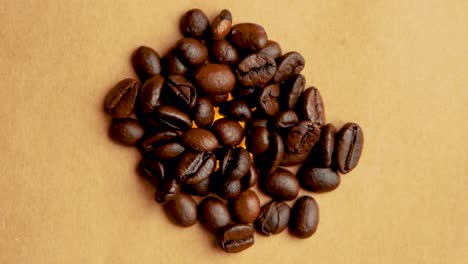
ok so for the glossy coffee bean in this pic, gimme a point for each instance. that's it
(322, 153)
(310, 106)
(256, 70)
(120, 101)
(151, 143)
(191, 52)
(285, 119)
(152, 170)
(215, 79)
(180, 92)
(172, 65)
(126, 131)
(229, 189)
(182, 210)
(318, 179)
(213, 214)
(168, 151)
(258, 119)
(195, 167)
(304, 217)
(201, 189)
(221, 25)
(195, 24)
(245, 207)
(280, 185)
(348, 148)
(258, 140)
(273, 218)
(146, 63)
(269, 162)
(228, 132)
(167, 191)
(199, 139)
(248, 94)
(250, 178)
(272, 48)
(218, 99)
(235, 163)
(248, 36)
(203, 112)
(236, 109)
(223, 52)
(287, 65)
(150, 95)
(291, 159)
(172, 117)
(302, 137)
(268, 99)
(291, 90)
(236, 237)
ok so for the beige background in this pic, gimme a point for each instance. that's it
(398, 68)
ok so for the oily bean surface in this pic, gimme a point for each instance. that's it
(256, 70)
(191, 52)
(195, 24)
(280, 185)
(213, 214)
(273, 218)
(348, 150)
(223, 52)
(203, 112)
(182, 210)
(150, 94)
(180, 92)
(311, 107)
(215, 79)
(304, 217)
(126, 131)
(199, 139)
(318, 179)
(236, 237)
(221, 25)
(173, 117)
(120, 101)
(245, 207)
(194, 167)
(146, 63)
(229, 132)
(287, 65)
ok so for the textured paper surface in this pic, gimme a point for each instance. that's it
(398, 68)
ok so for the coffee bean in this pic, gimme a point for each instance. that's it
(151, 143)
(152, 170)
(245, 207)
(146, 63)
(268, 162)
(236, 109)
(126, 131)
(287, 65)
(273, 218)
(257, 141)
(228, 132)
(167, 191)
(218, 99)
(120, 101)
(268, 99)
(194, 167)
(221, 25)
(182, 210)
(227, 189)
(213, 214)
(215, 79)
(248, 36)
(191, 51)
(302, 137)
(291, 159)
(310, 106)
(172, 65)
(272, 48)
(150, 95)
(348, 150)
(201, 189)
(291, 90)
(199, 139)
(172, 117)
(256, 70)
(236, 237)
(223, 52)
(304, 217)
(250, 178)
(195, 24)
(280, 185)
(180, 92)
(248, 94)
(258, 119)
(169, 151)
(203, 112)
(286, 119)
(322, 153)
(318, 179)
(235, 163)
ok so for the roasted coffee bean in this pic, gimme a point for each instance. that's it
(291, 159)
(213, 214)
(287, 65)
(229, 132)
(304, 217)
(245, 207)
(172, 65)
(310, 106)
(120, 101)
(182, 210)
(152, 170)
(203, 112)
(235, 163)
(302, 137)
(172, 117)
(286, 119)
(191, 52)
(291, 90)
(199, 139)
(318, 179)
(150, 95)
(215, 79)
(249, 94)
(221, 25)
(151, 143)
(322, 153)
(257, 141)
(169, 151)
(268, 99)
(223, 52)
(348, 147)
(272, 48)
(234, 238)
(236, 109)
(268, 162)
(167, 191)
(258, 119)
(229, 189)
(280, 185)
(180, 92)
(201, 189)
(256, 70)
(195, 24)
(218, 99)
(248, 36)
(194, 167)
(273, 218)
(126, 131)
(146, 63)
(250, 178)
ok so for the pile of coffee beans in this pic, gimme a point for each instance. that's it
(235, 71)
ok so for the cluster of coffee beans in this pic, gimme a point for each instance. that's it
(260, 92)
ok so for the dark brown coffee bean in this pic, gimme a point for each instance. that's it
(287, 65)
(280, 185)
(150, 95)
(172, 64)
(199, 139)
(273, 218)
(221, 25)
(223, 52)
(302, 137)
(258, 119)
(286, 119)
(318, 179)
(268, 99)
(291, 90)
(201, 189)
(322, 153)
(248, 94)
(146, 63)
(182, 210)
(228, 132)
(291, 159)
(272, 48)
(191, 52)
(256, 70)
(203, 112)
(151, 143)
(194, 167)
(167, 191)
(236, 237)
(310, 106)
(172, 117)
(152, 170)
(215, 79)
(180, 92)
(218, 99)
(245, 207)
(213, 214)
(126, 131)
(250, 178)
(169, 151)
(304, 217)
(258, 140)
(235, 163)
(236, 109)
(229, 189)
(348, 150)
(120, 101)
(248, 36)
(195, 24)
(268, 162)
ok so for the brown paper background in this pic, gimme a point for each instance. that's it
(398, 68)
